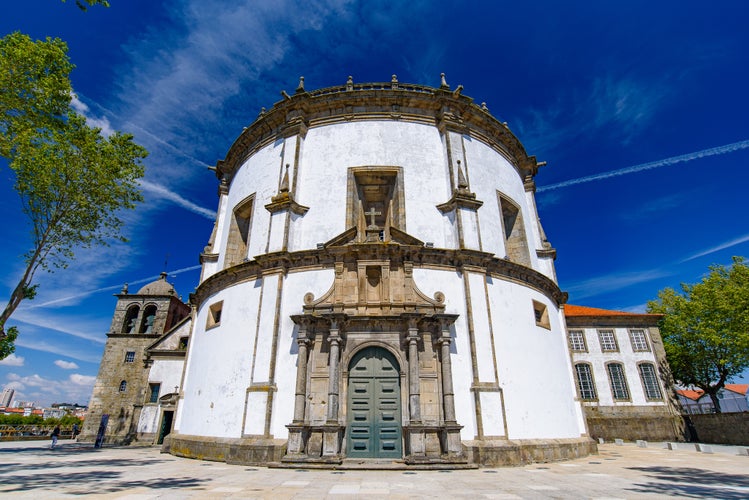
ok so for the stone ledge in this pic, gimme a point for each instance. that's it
(528, 451)
(245, 451)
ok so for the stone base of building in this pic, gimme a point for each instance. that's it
(245, 451)
(631, 423)
(271, 452)
(504, 452)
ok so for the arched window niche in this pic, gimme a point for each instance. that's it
(149, 315)
(131, 318)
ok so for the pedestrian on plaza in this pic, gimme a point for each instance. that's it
(75, 431)
(55, 435)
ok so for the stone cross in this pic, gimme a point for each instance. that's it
(372, 213)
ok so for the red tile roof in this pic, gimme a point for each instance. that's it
(687, 393)
(573, 311)
(738, 388)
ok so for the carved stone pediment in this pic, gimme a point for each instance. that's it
(372, 279)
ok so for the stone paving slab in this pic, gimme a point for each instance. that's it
(628, 471)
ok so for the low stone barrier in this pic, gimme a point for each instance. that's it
(718, 428)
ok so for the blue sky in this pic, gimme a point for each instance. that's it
(654, 92)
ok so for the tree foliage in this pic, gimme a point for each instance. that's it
(84, 4)
(73, 181)
(705, 328)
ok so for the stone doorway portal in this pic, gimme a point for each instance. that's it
(374, 405)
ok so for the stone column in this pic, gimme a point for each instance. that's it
(451, 428)
(297, 433)
(448, 397)
(300, 394)
(333, 369)
(413, 373)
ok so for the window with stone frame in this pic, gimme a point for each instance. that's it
(154, 393)
(639, 340)
(607, 339)
(123, 386)
(239, 232)
(375, 200)
(214, 315)
(618, 381)
(129, 356)
(648, 375)
(576, 339)
(541, 315)
(516, 242)
(585, 383)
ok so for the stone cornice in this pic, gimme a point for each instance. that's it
(440, 107)
(419, 256)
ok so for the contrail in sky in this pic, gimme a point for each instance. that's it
(165, 193)
(728, 148)
(113, 287)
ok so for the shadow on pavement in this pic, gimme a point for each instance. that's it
(693, 483)
(92, 482)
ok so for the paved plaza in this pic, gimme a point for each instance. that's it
(31, 469)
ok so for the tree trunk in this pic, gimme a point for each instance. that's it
(715, 400)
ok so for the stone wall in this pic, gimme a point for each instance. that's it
(633, 423)
(720, 428)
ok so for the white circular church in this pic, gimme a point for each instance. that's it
(378, 285)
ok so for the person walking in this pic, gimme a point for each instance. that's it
(55, 436)
(75, 431)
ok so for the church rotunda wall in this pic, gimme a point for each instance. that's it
(377, 221)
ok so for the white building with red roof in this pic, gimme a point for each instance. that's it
(622, 377)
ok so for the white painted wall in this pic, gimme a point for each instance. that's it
(534, 366)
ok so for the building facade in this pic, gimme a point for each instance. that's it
(622, 375)
(123, 391)
(377, 285)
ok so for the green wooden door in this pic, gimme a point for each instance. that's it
(374, 410)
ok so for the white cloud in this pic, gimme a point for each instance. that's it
(12, 360)
(102, 122)
(44, 391)
(612, 282)
(66, 365)
(89, 329)
(625, 104)
(83, 380)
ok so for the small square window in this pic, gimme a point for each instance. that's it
(608, 340)
(182, 346)
(129, 356)
(214, 315)
(577, 341)
(541, 314)
(639, 340)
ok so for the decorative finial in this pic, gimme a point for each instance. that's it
(300, 88)
(262, 111)
(124, 289)
(457, 91)
(394, 79)
(350, 83)
(443, 82)
(285, 95)
(285, 181)
(483, 106)
(462, 182)
(162, 275)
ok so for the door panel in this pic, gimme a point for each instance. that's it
(374, 427)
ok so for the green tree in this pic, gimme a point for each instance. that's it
(84, 4)
(73, 181)
(705, 328)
